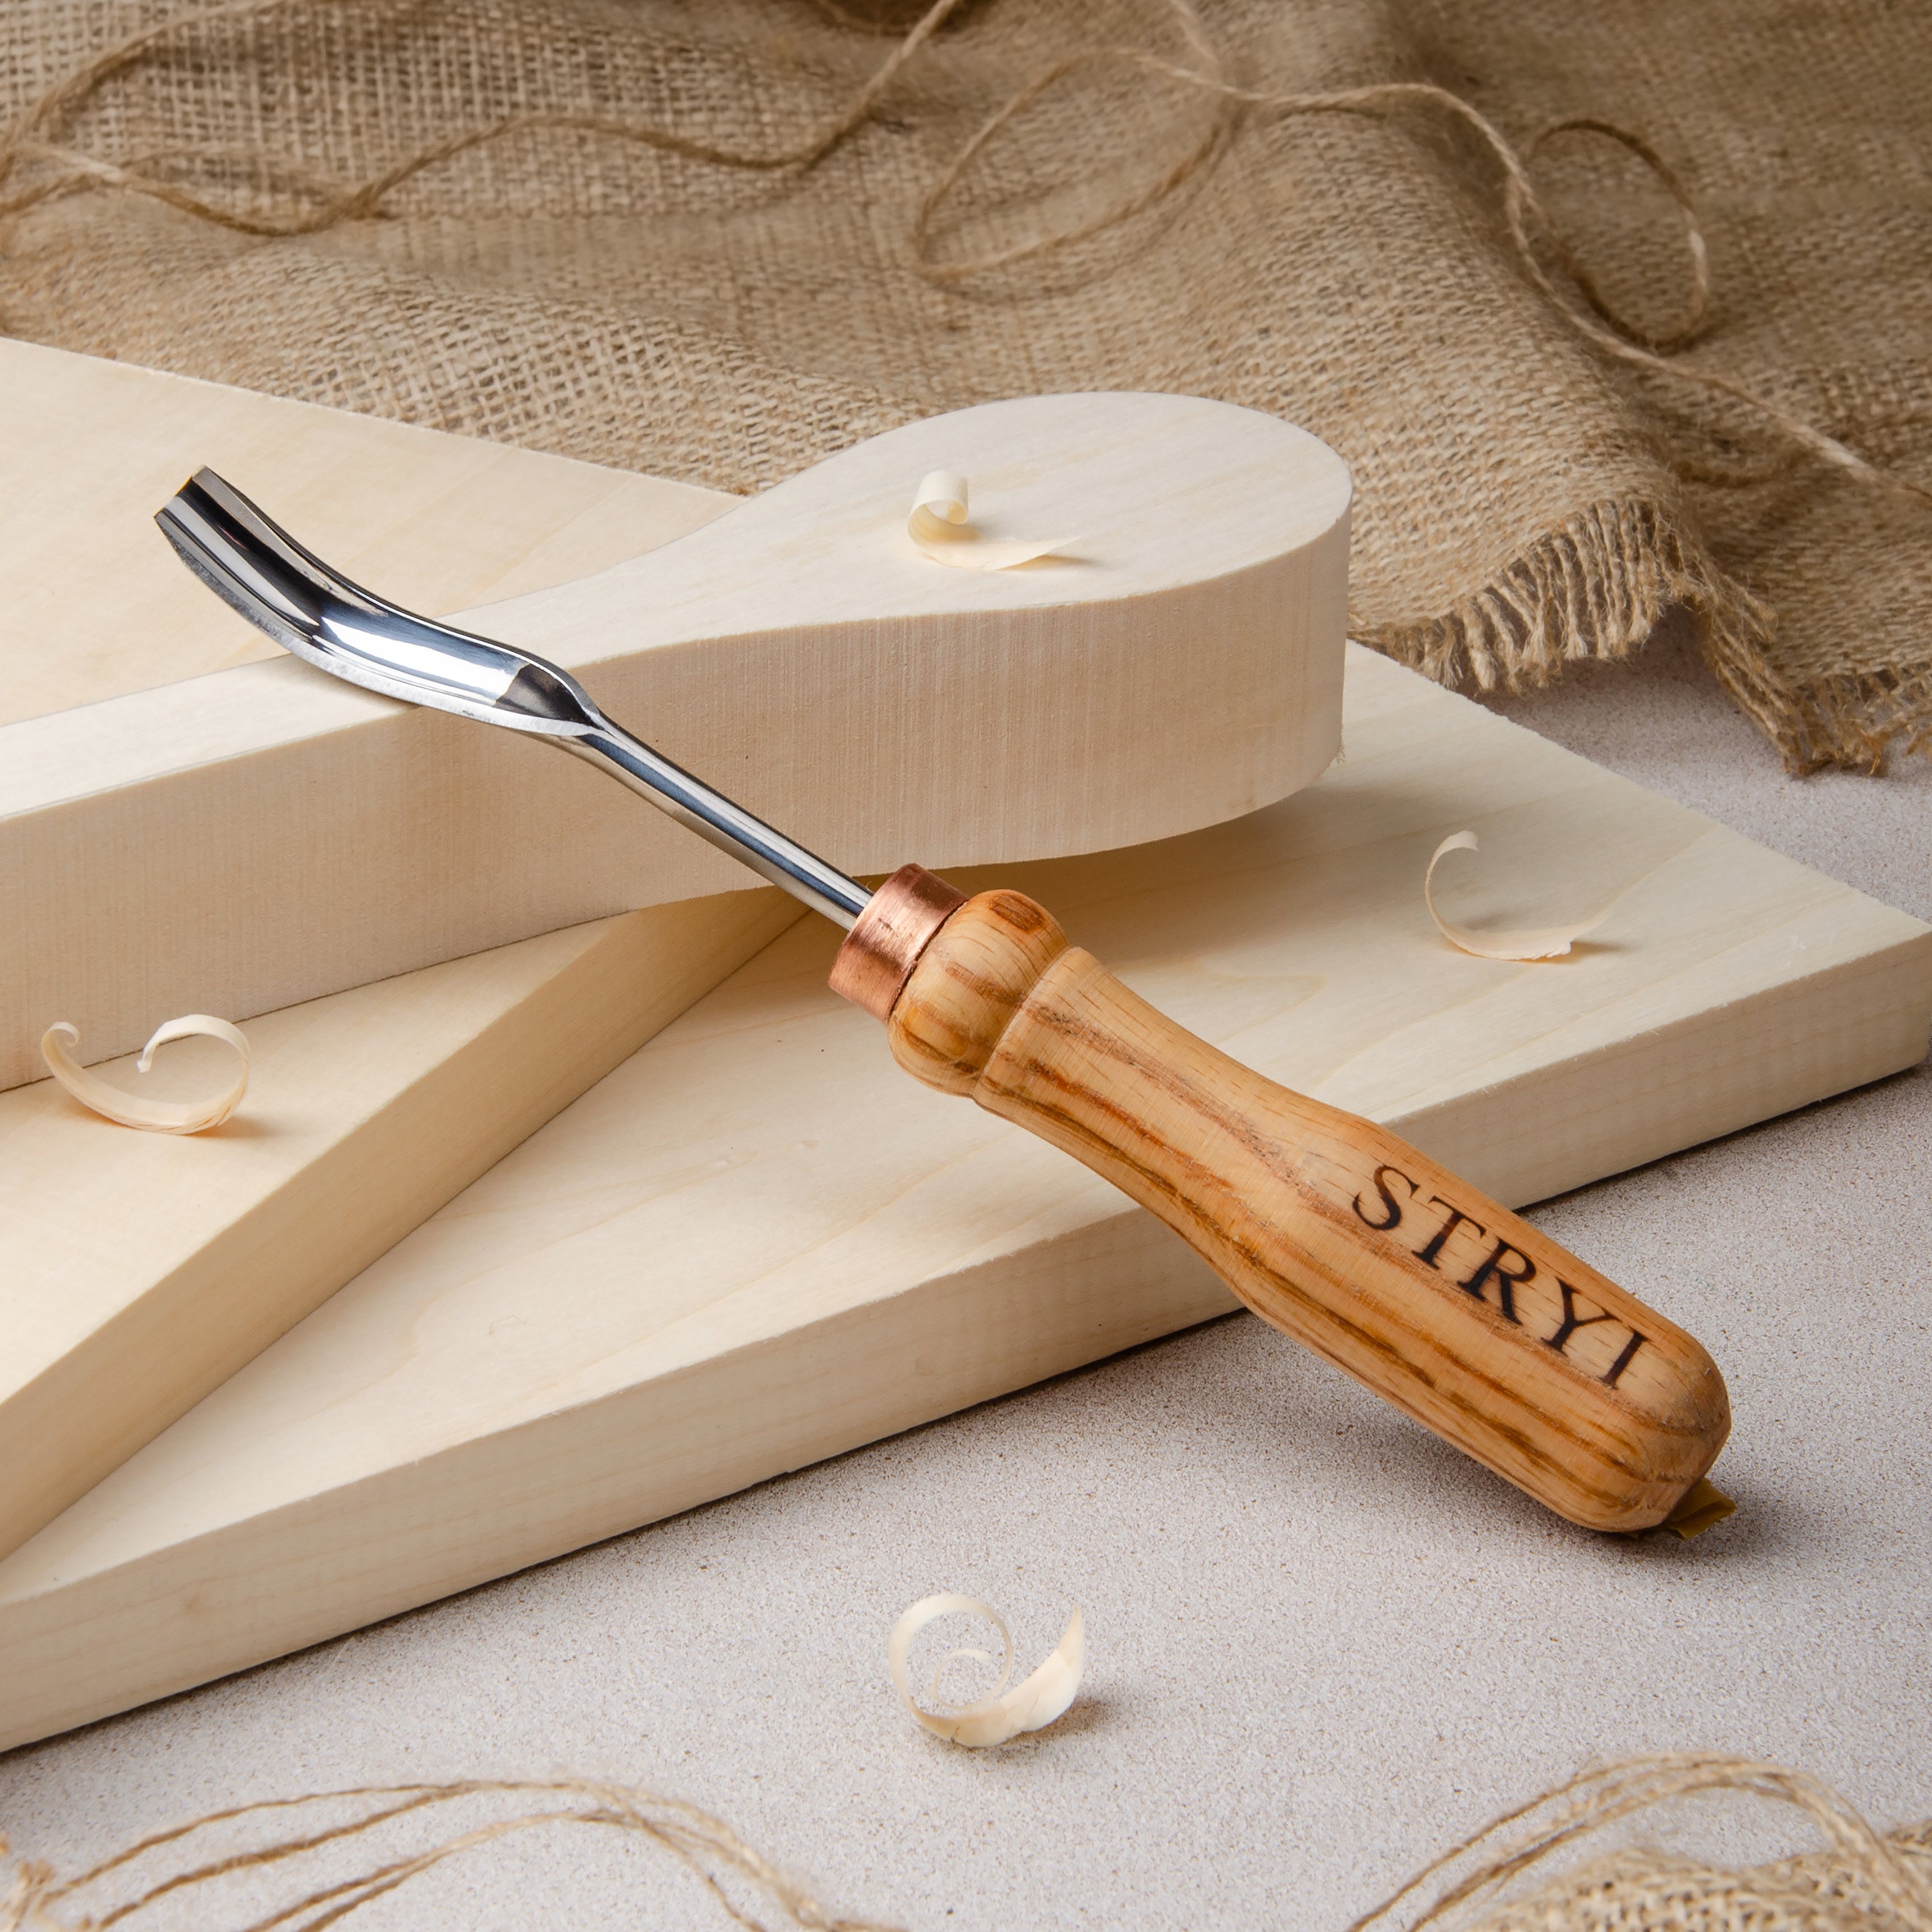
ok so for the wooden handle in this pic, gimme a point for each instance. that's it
(1328, 1226)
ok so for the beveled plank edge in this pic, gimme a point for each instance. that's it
(240, 1292)
(1693, 1079)
(395, 1541)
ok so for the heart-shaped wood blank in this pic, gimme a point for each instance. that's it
(240, 841)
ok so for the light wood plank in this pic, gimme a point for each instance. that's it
(757, 1243)
(142, 1269)
(99, 607)
(138, 1271)
(262, 835)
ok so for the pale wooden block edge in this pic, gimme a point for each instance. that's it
(112, 1392)
(577, 1475)
(529, 1493)
(1194, 685)
(1861, 1020)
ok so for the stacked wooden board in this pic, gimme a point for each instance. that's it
(756, 1243)
(142, 1269)
(258, 835)
(217, 830)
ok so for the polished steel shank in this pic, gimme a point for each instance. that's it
(325, 620)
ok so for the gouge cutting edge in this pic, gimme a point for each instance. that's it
(1329, 1227)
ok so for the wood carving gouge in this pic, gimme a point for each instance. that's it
(1458, 1311)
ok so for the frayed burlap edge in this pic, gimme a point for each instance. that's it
(1636, 1890)
(1597, 585)
(1854, 720)
(1593, 586)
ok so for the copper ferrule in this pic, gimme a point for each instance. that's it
(884, 944)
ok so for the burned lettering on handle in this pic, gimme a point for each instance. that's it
(1508, 1280)
(1572, 1321)
(1623, 1361)
(1393, 1217)
(1427, 1253)
(1390, 1216)
(1524, 1294)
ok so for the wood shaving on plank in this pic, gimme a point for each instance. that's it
(938, 525)
(132, 1110)
(1529, 942)
(1002, 1713)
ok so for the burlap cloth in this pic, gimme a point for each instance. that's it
(1524, 498)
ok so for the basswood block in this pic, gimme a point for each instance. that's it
(99, 607)
(261, 835)
(136, 1271)
(142, 1269)
(758, 1242)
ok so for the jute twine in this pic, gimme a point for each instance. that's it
(168, 1869)
(70, 173)
(1863, 1881)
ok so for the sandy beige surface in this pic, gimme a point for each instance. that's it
(1322, 1645)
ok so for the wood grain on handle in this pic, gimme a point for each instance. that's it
(1328, 1226)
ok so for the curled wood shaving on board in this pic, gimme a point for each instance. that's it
(132, 1110)
(1550, 942)
(938, 525)
(1002, 1713)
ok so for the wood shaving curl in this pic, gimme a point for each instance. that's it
(938, 525)
(1550, 942)
(132, 1110)
(1002, 1713)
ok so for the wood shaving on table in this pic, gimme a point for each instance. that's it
(1002, 1713)
(132, 1110)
